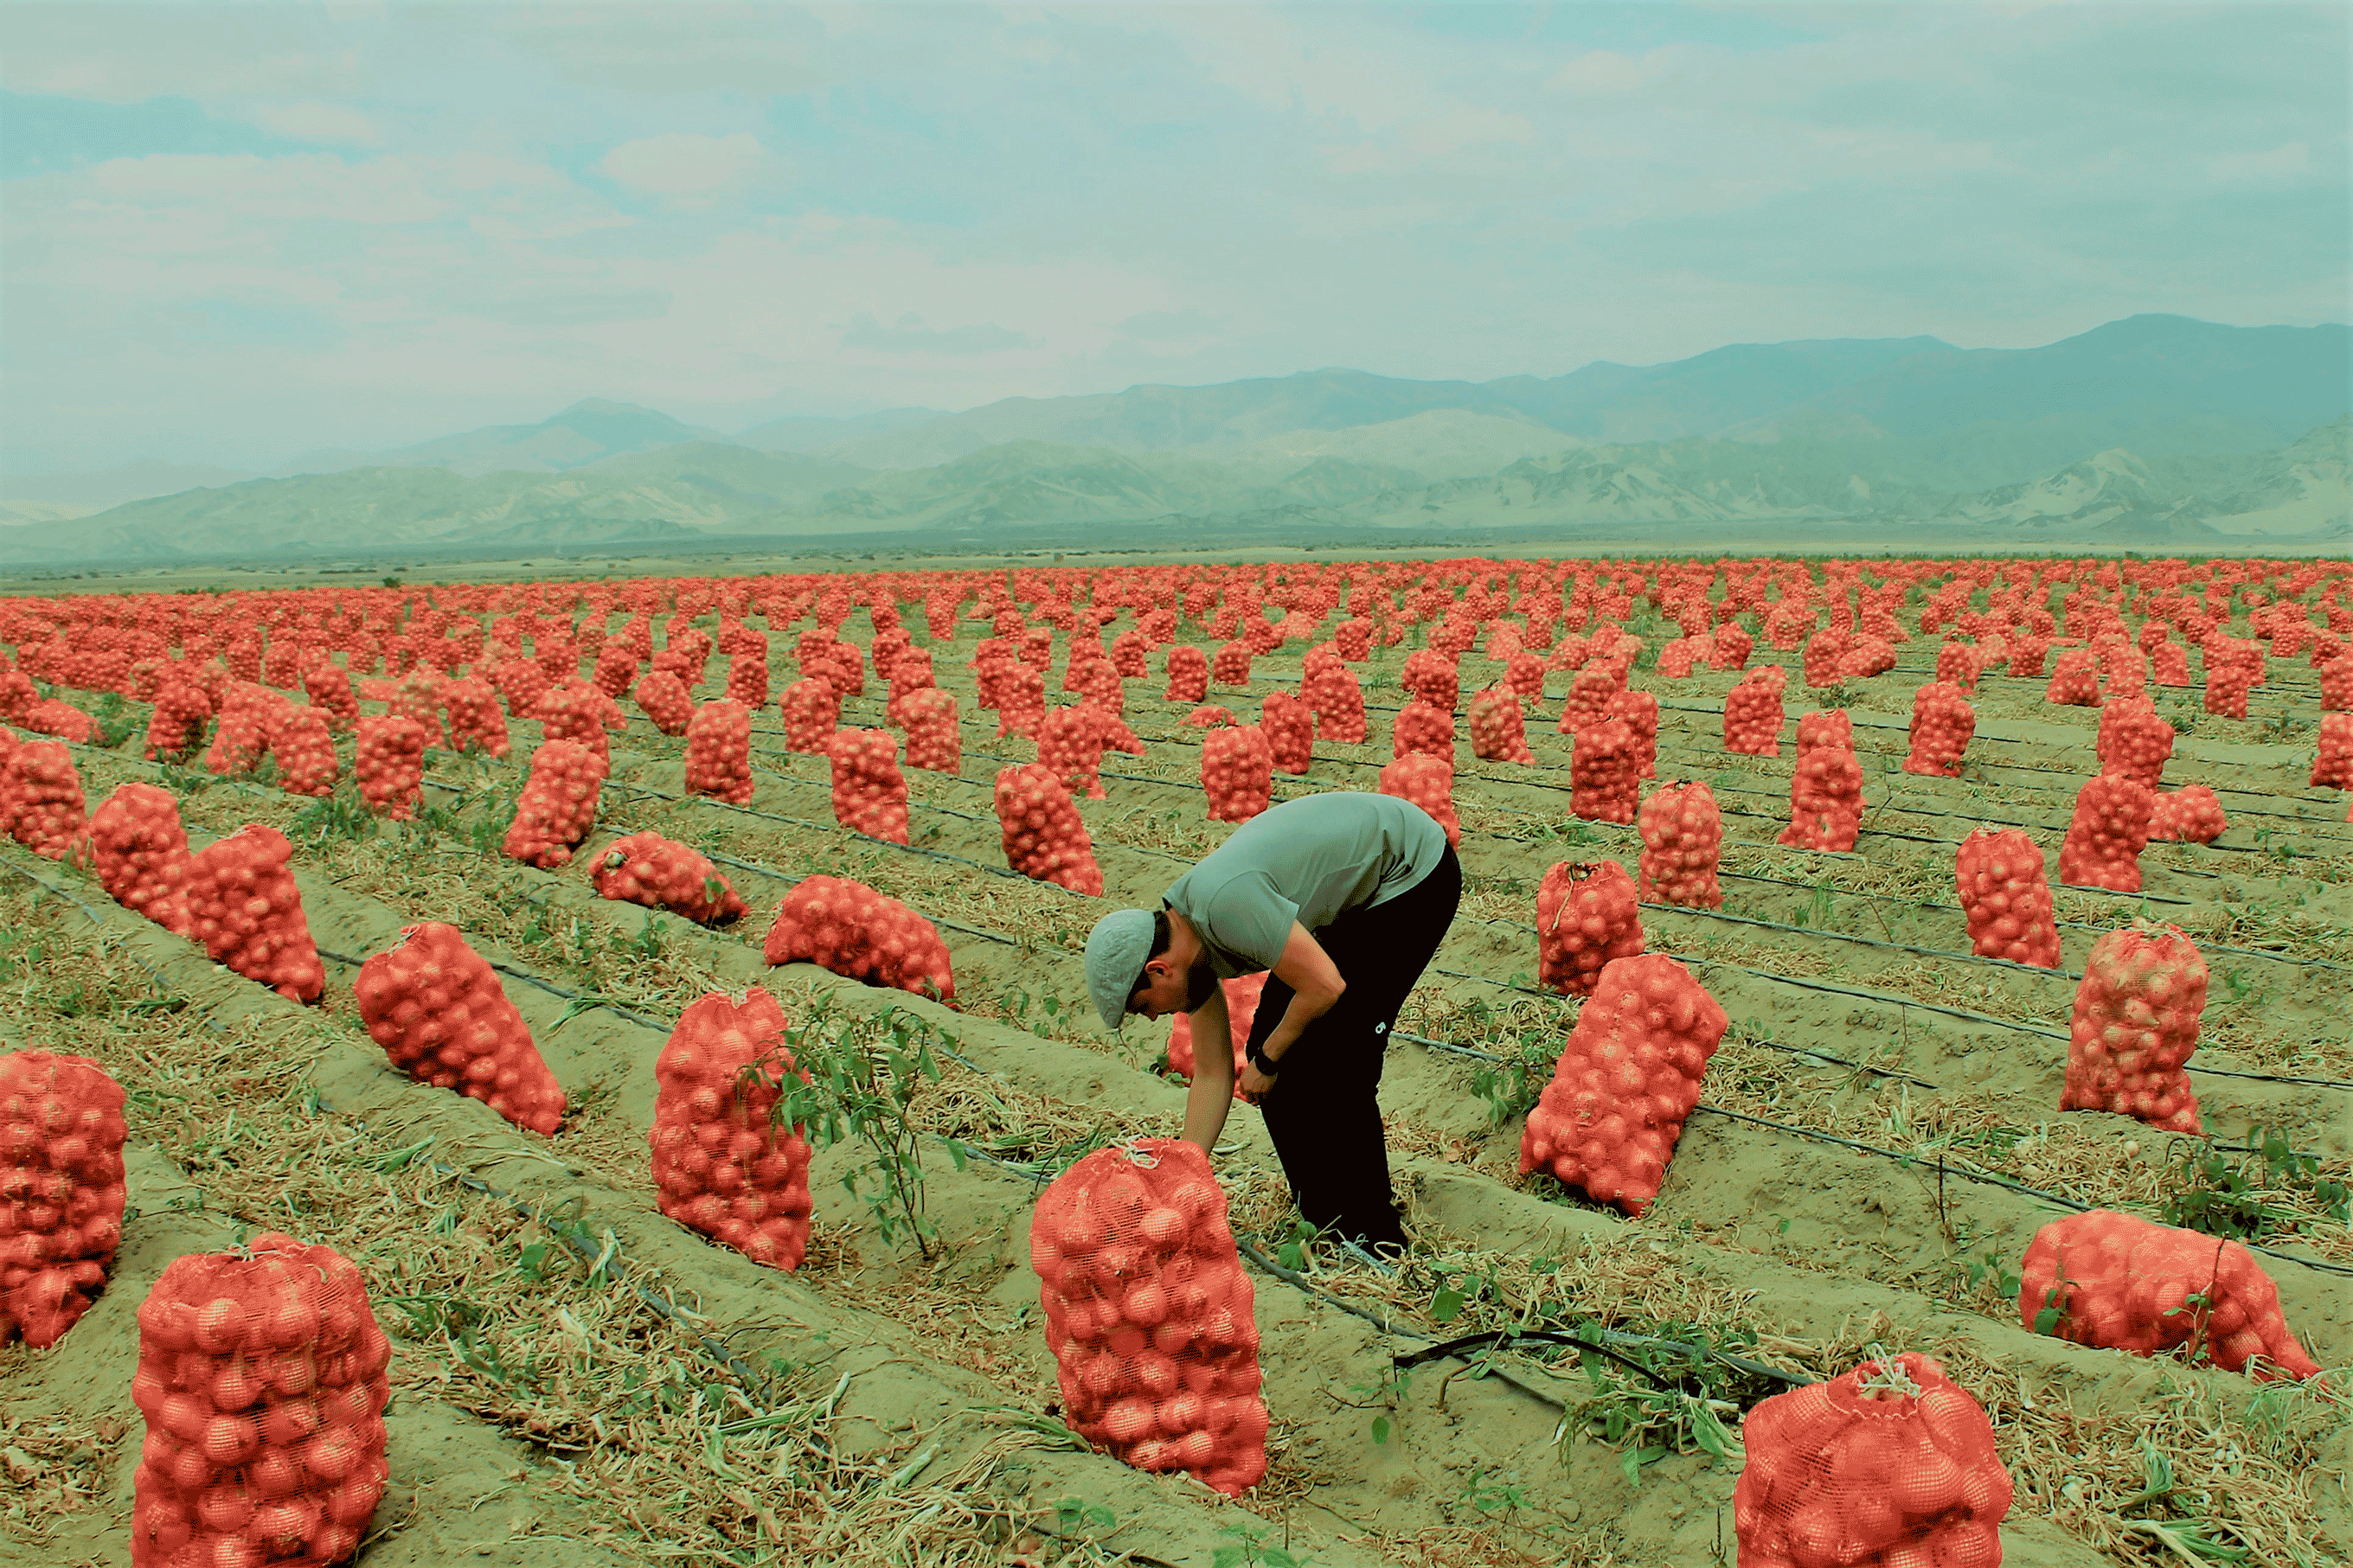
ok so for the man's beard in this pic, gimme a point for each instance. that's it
(1199, 983)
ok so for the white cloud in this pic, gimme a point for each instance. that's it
(315, 121)
(2281, 163)
(1599, 71)
(685, 166)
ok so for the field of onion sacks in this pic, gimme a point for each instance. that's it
(1568, 1367)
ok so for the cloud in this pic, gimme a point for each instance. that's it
(1167, 326)
(1599, 71)
(316, 121)
(908, 335)
(2281, 163)
(687, 167)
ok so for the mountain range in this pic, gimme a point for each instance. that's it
(2155, 426)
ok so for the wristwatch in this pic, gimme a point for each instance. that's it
(1258, 1058)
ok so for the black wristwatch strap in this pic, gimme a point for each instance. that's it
(1258, 1060)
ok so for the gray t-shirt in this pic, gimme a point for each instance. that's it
(1309, 860)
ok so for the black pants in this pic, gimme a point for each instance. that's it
(1322, 1111)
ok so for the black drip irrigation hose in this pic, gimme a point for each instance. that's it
(615, 1263)
(1938, 1164)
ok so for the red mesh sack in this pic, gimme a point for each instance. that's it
(1942, 723)
(578, 712)
(1682, 839)
(389, 765)
(178, 721)
(668, 703)
(1752, 715)
(2226, 686)
(2115, 1282)
(438, 1011)
(869, 793)
(1626, 1079)
(47, 810)
(1589, 695)
(244, 906)
(1209, 716)
(747, 678)
(1825, 795)
(1070, 742)
(1889, 1466)
(261, 1377)
(1241, 1011)
(662, 874)
(1422, 727)
(1231, 667)
(1332, 691)
(722, 1165)
(615, 669)
(2005, 898)
(1586, 914)
(304, 749)
(1043, 834)
(1733, 645)
(520, 683)
(2074, 679)
(557, 806)
(719, 751)
(934, 737)
(1289, 726)
(62, 1170)
(1826, 653)
(1149, 1314)
(1958, 663)
(1639, 711)
(2135, 1023)
(1429, 783)
(1498, 734)
(53, 716)
(241, 739)
(812, 711)
(477, 722)
(1524, 676)
(1236, 773)
(1603, 786)
(2332, 756)
(1189, 674)
(2106, 833)
(850, 928)
(419, 698)
(1020, 701)
(2191, 815)
(329, 687)
(140, 853)
(1865, 656)
(2132, 741)
(2336, 681)
(1434, 678)
(2169, 664)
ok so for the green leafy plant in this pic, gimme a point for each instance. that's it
(1246, 1548)
(864, 1073)
(2250, 1194)
(1512, 1085)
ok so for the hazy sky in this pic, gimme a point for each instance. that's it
(234, 233)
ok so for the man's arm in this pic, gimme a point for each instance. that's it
(1213, 1071)
(1315, 984)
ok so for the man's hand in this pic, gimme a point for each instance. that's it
(1254, 1082)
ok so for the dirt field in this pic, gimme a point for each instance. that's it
(578, 1380)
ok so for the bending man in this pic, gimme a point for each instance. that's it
(1344, 897)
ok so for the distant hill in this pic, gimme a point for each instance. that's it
(41, 497)
(804, 434)
(1019, 490)
(585, 433)
(678, 491)
(2151, 422)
